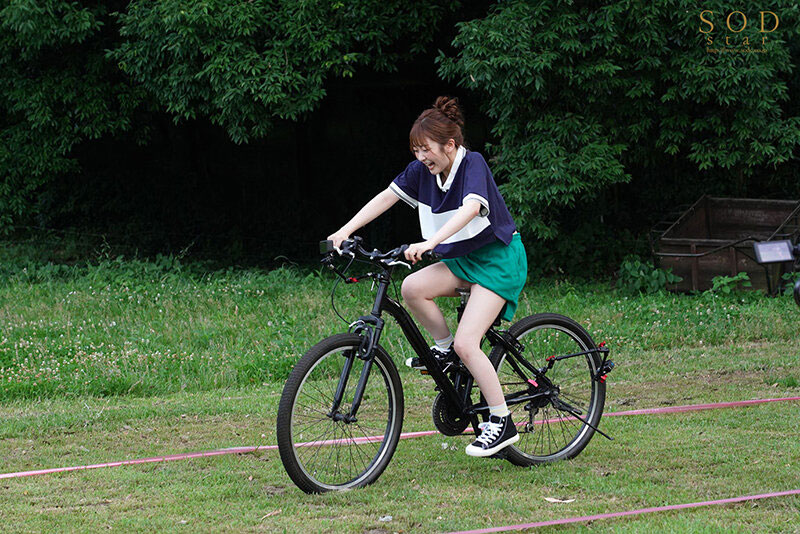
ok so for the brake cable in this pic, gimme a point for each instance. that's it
(333, 292)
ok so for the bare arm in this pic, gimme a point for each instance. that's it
(465, 214)
(371, 210)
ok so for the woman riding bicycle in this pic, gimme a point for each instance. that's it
(464, 218)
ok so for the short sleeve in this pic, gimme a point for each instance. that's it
(476, 185)
(406, 185)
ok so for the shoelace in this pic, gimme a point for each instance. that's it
(490, 432)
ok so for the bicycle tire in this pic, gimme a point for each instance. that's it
(302, 414)
(555, 436)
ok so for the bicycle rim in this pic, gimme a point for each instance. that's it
(548, 433)
(335, 455)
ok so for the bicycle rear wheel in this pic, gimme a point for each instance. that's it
(548, 431)
(321, 453)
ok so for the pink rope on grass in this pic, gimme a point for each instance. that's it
(699, 407)
(368, 439)
(203, 454)
(585, 518)
(154, 459)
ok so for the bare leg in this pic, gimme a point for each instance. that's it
(419, 290)
(481, 311)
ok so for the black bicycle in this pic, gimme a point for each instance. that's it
(341, 411)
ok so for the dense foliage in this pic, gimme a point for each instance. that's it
(57, 89)
(583, 92)
(637, 276)
(244, 64)
(79, 71)
(176, 120)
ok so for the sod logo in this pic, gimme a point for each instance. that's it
(735, 23)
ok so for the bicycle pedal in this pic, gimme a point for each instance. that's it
(499, 455)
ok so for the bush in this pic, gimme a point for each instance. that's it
(789, 279)
(636, 276)
(725, 285)
(554, 76)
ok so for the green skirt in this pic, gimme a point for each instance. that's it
(497, 267)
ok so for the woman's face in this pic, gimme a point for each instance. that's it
(436, 156)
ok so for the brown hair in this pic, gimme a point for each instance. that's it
(440, 123)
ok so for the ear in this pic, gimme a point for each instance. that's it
(450, 145)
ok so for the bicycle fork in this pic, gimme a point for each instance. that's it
(369, 327)
(350, 417)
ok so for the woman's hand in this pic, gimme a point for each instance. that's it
(337, 237)
(414, 251)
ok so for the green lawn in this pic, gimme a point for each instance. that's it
(134, 359)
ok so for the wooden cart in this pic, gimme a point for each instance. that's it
(714, 237)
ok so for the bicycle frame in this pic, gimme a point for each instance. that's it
(458, 390)
(371, 327)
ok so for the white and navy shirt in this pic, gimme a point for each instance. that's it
(469, 179)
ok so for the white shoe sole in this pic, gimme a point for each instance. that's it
(482, 453)
(408, 364)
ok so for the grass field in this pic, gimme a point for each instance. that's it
(127, 359)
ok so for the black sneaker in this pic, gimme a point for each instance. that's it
(443, 356)
(497, 434)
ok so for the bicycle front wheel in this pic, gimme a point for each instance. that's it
(549, 429)
(321, 450)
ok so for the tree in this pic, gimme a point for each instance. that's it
(57, 90)
(244, 65)
(75, 72)
(582, 91)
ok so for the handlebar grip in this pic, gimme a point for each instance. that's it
(427, 255)
(345, 246)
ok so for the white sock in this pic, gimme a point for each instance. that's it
(445, 343)
(501, 410)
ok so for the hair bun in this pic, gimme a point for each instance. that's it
(449, 107)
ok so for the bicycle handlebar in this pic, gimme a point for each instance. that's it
(353, 245)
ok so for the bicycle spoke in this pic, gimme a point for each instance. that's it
(350, 451)
(325, 397)
(337, 454)
(359, 449)
(562, 427)
(575, 403)
(319, 447)
(336, 448)
(310, 409)
(307, 426)
(369, 441)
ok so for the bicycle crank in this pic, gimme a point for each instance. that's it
(447, 418)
